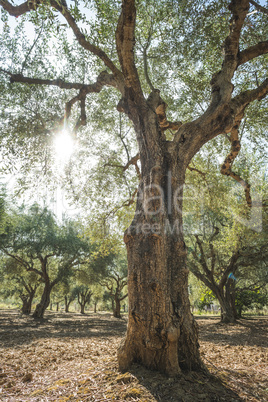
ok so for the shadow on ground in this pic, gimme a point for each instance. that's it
(190, 387)
(250, 332)
(17, 329)
(70, 353)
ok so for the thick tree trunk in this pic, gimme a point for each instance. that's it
(230, 293)
(44, 303)
(117, 308)
(27, 303)
(82, 308)
(162, 333)
(227, 312)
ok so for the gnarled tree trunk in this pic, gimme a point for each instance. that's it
(45, 301)
(67, 303)
(27, 302)
(83, 298)
(227, 302)
(162, 333)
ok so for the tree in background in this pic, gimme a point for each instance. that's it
(251, 298)
(18, 283)
(221, 249)
(115, 281)
(38, 244)
(83, 294)
(97, 296)
(218, 263)
(68, 299)
(178, 35)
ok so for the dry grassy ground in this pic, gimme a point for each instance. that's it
(70, 357)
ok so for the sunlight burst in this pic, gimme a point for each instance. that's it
(64, 145)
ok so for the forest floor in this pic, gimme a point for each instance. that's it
(72, 357)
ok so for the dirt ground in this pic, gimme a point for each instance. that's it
(72, 357)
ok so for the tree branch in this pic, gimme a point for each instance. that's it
(252, 52)
(193, 169)
(145, 64)
(239, 102)
(231, 267)
(226, 168)
(202, 259)
(221, 82)
(194, 269)
(132, 161)
(259, 7)
(156, 103)
(123, 297)
(104, 79)
(23, 8)
(125, 43)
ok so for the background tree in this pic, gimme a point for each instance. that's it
(219, 245)
(218, 263)
(251, 298)
(97, 296)
(115, 281)
(37, 243)
(177, 35)
(18, 283)
(83, 293)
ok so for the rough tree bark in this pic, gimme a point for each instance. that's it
(27, 301)
(161, 332)
(117, 307)
(45, 300)
(227, 303)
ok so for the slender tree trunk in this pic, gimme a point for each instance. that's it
(44, 303)
(57, 306)
(117, 308)
(162, 333)
(50, 307)
(67, 303)
(95, 307)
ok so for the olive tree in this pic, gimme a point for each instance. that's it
(39, 245)
(162, 333)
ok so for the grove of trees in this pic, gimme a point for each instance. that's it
(38, 253)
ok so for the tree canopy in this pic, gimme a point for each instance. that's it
(207, 61)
